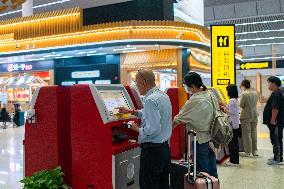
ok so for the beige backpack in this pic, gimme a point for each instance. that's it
(221, 128)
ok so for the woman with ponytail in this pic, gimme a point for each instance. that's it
(198, 114)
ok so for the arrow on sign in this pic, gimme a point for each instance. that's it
(254, 65)
(243, 66)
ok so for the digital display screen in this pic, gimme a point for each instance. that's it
(113, 100)
(85, 82)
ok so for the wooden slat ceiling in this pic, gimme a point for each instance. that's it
(12, 4)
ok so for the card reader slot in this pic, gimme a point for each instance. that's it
(130, 183)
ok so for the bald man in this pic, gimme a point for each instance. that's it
(154, 133)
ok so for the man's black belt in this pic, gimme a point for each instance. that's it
(153, 145)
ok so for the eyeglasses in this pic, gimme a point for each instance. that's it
(141, 75)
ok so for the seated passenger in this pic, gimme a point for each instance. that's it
(17, 117)
(4, 117)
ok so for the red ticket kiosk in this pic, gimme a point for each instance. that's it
(178, 98)
(47, 136)
(105, 153)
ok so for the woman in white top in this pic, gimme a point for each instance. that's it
(233, 111)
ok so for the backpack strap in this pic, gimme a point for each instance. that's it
(213, 103)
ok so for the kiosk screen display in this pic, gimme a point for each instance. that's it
(113, 100)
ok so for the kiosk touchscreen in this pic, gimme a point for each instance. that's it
(108, 98)
(112, 100)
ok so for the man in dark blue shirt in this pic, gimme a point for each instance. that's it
(273, 117)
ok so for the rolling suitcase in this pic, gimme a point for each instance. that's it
(180, 167)
(201, 180)
(178, 170)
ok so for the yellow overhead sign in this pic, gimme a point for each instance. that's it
(223, 69)
(254, 65)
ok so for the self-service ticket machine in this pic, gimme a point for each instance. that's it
(47, 132)
(178, 98)
(177, 138)
(105, 153)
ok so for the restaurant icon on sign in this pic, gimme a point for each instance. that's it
(222, 41)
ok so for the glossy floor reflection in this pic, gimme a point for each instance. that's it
(11, 158)
(253, 173)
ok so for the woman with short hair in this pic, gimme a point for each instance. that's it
(233, 110)
(249, 118)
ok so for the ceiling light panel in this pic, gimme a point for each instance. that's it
(124, 49)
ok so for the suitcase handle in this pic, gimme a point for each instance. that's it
(192, 133)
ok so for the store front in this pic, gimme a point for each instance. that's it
(19, 81)
(107, 53)
(164, 63)
(87, 70)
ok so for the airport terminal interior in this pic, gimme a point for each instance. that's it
(68, 66)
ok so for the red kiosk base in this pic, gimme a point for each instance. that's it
(101, 159)
(177, 143)
(47, 141)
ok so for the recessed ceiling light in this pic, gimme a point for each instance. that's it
(91, 52)
(125, 49)
(52, 55)
(36, 59)
(64, 57)
(97, 54)
(82, 52)
(135, 51)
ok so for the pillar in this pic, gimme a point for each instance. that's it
(27, 8)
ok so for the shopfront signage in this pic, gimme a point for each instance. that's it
(26, 67)
(223, 69)
(103, 82)
(68, 83)
(85, 82)
(85, 74)
(255, 65)
(19, 67)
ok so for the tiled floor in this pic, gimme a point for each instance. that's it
(11, 157)
(254, 173)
